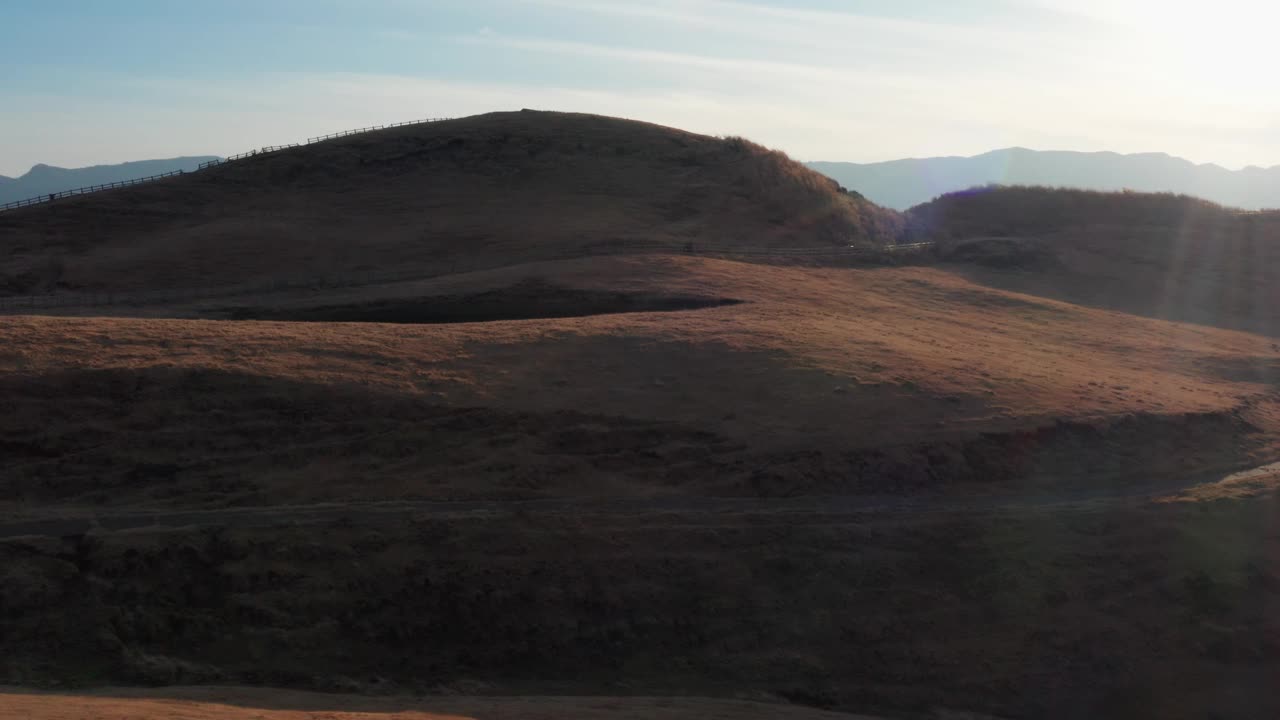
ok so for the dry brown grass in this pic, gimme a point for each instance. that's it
(846, 357)
(1163, 256)
(498, 188)
(1117, 612)
(821, 381)
(1109, 609)
(256, 704)
(1021, 210)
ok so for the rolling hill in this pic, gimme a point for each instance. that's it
(952, 481)
(45, 179)
(504, 186)
(1159, 255)
(903, 183)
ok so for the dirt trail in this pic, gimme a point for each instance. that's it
(72, 521)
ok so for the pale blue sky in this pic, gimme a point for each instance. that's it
(97, 81)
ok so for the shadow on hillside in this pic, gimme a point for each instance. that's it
(525, 301)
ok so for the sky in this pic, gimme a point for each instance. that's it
(86, 82)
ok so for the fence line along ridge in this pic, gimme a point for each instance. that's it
(85, 190)
(49, 197)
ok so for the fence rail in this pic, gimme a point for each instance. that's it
(204, 165)
(371, 128)
(241, 156)
(85, 190)
(446, 267)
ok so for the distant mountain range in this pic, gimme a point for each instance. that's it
(903, 183)
(45, 179)
(897, 184)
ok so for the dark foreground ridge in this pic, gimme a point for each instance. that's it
(800, 510)
(824, 612)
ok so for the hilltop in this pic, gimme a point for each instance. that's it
(44, 179)
(903, 183)
(502, 187)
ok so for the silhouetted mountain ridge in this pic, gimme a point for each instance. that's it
(904, 183)
(43, 179)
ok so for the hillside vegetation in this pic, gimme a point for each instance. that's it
(1161, 255)
(817, 380)
(1033, 210)
(899, 490)
(225, 703)
(499, 188)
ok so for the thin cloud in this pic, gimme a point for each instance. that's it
(814, 28)
(821, 84)
(741, 67)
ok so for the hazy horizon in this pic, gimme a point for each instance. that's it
(863, 82)
(992, 151)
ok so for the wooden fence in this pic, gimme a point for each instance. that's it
(251, 153)
(85, 190)
(357, 131)
(241, 156)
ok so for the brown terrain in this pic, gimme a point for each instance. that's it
(491, 189)
(1164, 256)
(217, 703)
(1024, 473)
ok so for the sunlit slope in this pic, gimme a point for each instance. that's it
(812, 368)
(985, 450)
(495, 188)
(1163, 256)
(808, 353)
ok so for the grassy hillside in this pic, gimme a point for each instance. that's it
(793, 389)
(503, 187)
(1034, 210)
(900, 489)
(1167, 256)
(928, 469)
